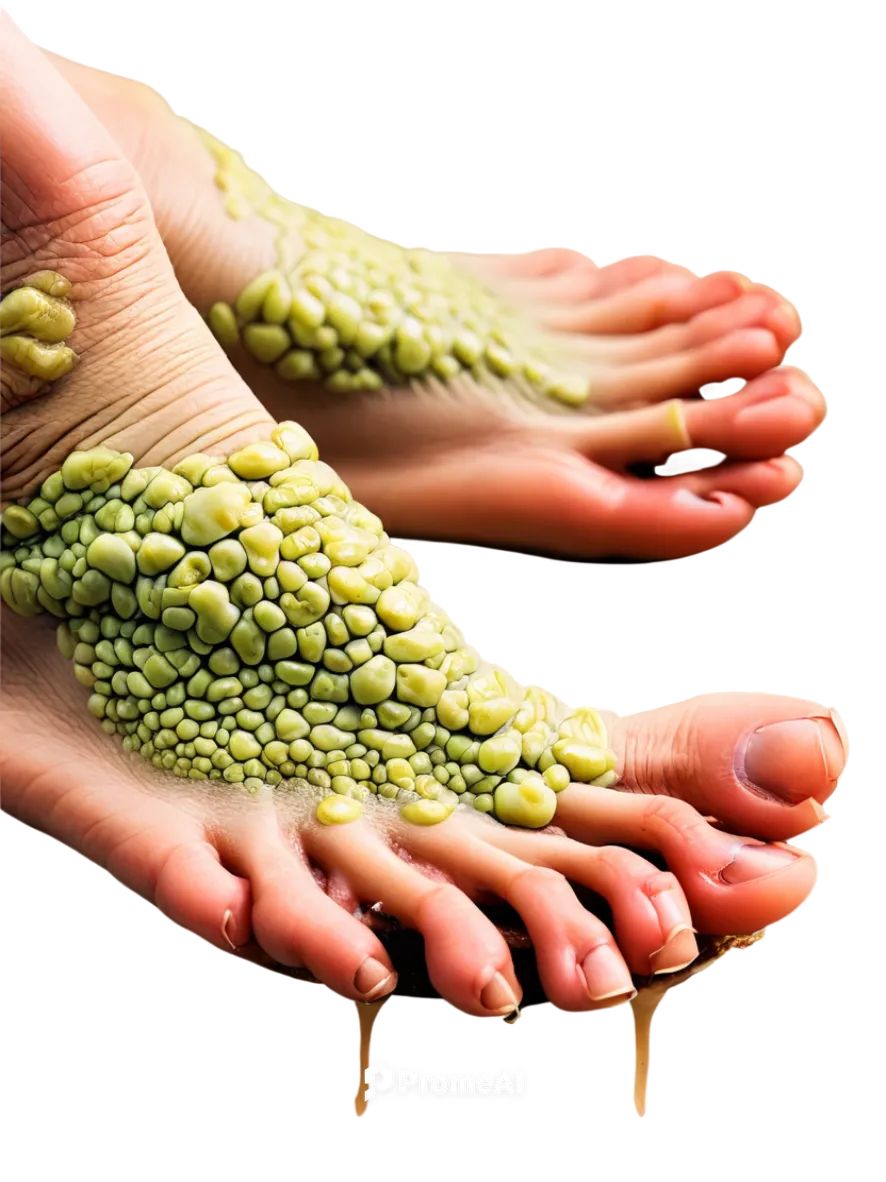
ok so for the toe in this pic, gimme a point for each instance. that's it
(159, 851)
(759, 763)
(604, 296)
(467, 958)
(196, 891)
(670, 297)
(554, 501)
(532, 264)
(733, 884)
(771, 414)
(744, 353)
(651, 915)
(760, 483)
(599, 513)
(755, 308)
(579, 965)
(292, 918)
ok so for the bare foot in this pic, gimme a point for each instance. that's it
(497, 450)
(274, 825)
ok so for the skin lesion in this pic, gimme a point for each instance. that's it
(357, 312)
(36, 319)
(246, 621)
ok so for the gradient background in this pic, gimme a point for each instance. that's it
(743, 136)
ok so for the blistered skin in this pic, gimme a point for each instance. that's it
(245, 620)
(36, 318)
(358, 312)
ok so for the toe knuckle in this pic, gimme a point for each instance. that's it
(444, 896)
(168, 875)
(538, 878)
(660, 881)
(622, 862)
(668, 813)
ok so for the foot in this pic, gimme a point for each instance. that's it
(538, 444)
(277, 824)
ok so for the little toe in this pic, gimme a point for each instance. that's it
(195, 890)
(292, 918)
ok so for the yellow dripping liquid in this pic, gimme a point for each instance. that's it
(364, 1018)
(643, 1010)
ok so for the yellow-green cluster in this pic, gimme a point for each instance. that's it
(35, 319)
(357, 312)
(245, 620)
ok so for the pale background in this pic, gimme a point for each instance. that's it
(129, 1053)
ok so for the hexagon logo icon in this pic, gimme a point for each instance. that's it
(378, 1077)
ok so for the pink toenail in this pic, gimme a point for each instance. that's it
(669, 911)
(756, 861)
(783, 464)
(374, 979)
(605, 974)
(784, 320)
(793, 760)
(498, 997)
(677, 952)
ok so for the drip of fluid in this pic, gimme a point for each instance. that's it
(367, 1011)
(644, 1006)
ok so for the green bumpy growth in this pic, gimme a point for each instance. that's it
(35, 319)
(246, 620)
(357, 311)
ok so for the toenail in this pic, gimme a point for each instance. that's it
(670, 914)
(756, 861)
(605, 974)
(790, 759)
(840, 728)
(226, 919)
(498, 997)
(677, 952)
(812, 395)
(744, 284)
(793, 466)
(783, 319)
(374, 979)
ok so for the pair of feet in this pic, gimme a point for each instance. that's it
(461, 461)
(235, 869)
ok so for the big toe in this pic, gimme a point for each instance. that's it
(760, 764)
